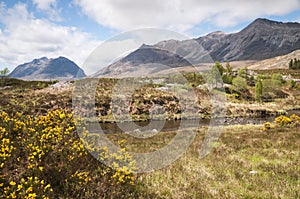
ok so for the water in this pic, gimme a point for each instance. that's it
(173, 125)
(169, 125)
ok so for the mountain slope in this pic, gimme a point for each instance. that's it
(279, 62)
(262, 39)
(45, 69)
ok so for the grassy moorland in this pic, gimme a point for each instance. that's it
(246, 163)
(42, 155)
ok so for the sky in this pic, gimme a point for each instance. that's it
(32, 29)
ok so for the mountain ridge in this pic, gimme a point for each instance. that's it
(261, 39)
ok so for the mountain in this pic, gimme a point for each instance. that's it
(45, 69)
(262, 39)
(148, 59)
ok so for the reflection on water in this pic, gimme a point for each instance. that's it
(169, 125)
(173, 125)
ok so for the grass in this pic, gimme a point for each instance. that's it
(225, 173)
(21, 84)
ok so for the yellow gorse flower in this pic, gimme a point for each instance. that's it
(49, 145)
(12, 183)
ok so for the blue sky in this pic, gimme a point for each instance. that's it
(35, 28)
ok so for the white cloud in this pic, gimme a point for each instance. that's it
(24, 38)
(180, 15)
(124, 43)
(49, 7)
(45, 4)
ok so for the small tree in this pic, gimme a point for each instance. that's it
(292, 83)
(229, 69)
(258, 89)
(291, 64)
(242, 72)
(220, 68)
(227, 76)
(297, 64)
(294, 64)
(213, 76)
(4, 72)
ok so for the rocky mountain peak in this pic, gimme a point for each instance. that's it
(45, 69)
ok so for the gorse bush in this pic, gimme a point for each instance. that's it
(267, 126)
(295, 120)
(283, 120)
(43, 157)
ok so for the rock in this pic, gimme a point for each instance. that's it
(154, 131)
(253, 172)
(137, 130)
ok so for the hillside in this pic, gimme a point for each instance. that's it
(279, 62)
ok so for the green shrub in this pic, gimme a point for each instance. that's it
(258, 89)
(292, 83)
(240, 83)
(278, 77)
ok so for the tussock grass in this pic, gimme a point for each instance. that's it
(247, 162)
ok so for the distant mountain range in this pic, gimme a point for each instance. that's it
(262, 39)
(59, 68)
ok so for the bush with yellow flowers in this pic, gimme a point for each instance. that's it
(295, 120)
(31, 187)
(43, 157)
(267, 126)
(121, 163)
(283, 121)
